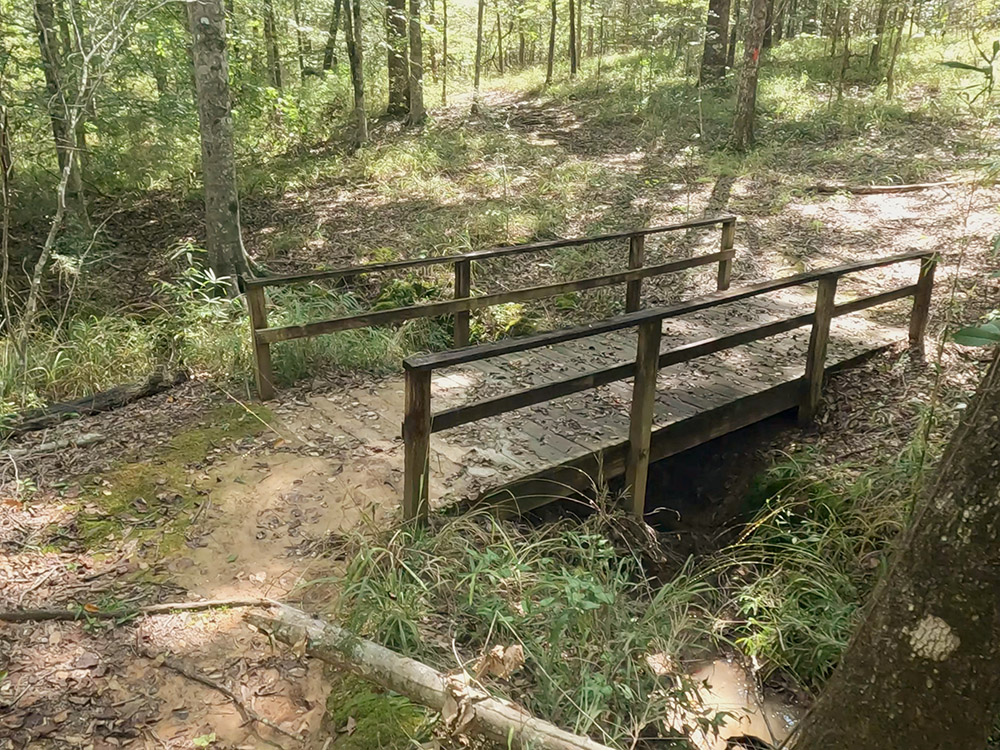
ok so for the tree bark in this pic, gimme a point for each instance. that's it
(876, 51)
(398, 69)
(746, 94)
(552, 44)
(479, 55)
(890, 75)
(299, 42)
(330, 51)
(922, 671)
(713, 60)
(271, 44)
(499, 43)
(444, 52)
(416, 66)
(731, 47)
(355, 55)
(572, 39)
(224, 242)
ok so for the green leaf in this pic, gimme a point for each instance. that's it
(996, 243)
(204, 741)
(965, 66)
(984, 335)
(996, 47)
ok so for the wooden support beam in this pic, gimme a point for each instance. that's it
(633, 289)
(463, 288)
(417, 445)
(812, 389)
(263, 371)
(647, 367)
(726, 265)
(922, 306)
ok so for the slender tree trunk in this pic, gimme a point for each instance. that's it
(330, 51)
(522, 48)
(224, 243)
(713, 60)
(778, 22)
(590, 30)
(579, 34)
(6, 194)
(416, 66)
(922, 671)
(271, 44)
(299, 42)
(572, 39)
(845, 58)
(552, 43)
(355, 55)
(731, 47)
(890, 75)
(768, 22)
(431, 53)
(499, 43)
(876, 51)
(396, 64)
(479, 55)
(746, 94)
(444, 52)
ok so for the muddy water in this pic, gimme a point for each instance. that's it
(727, 687)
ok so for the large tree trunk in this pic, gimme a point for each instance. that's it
(271, 44)
(922, 671)
(746, 94)
(416, 66)
(479, 56)
(224, 242)
(713, 60)
(330, 51)
(399, 74)
(355, 55)
(552, 44)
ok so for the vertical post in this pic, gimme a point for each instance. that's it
(417, 445)
(812, 386)
(257, 304)
(921, 306)
(633, 289)
(463, 287)
(726, 265)
(641, 416)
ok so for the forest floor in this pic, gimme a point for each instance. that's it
(195, 494)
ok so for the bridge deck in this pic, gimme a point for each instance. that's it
(696, 400)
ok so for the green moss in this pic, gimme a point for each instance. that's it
(155, 497)
(381, 719)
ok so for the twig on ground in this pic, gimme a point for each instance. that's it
(74, 442)
(80, 613)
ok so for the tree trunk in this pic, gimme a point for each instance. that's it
(731, 47)
(299, 43)
(499, 43)
(398, 69)
(271, 44)
(572, 39)
(431, 53)
(876, 51)
(330, 51)
(355, 55)
(922, 671)
(768, 23)
(746, 94)
(552, 44)
(845, 59)
(713, 61)
(479, 55)
(890, 75)
(579, 34)
(416, 65)
(444, 52)
(224, 241)
(778, 22)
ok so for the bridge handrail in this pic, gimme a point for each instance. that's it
(420, 422)
(262, 336)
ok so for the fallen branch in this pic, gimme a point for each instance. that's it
(82, 613)
(57, 445)
(246, 712)
(463, 706)
(39, 419)
(830, 189)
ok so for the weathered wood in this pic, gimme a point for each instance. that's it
(77, 441)
(726, 266)
(636, 258)
(812, 390)
(922, 306)
(417, 445)
(434, 309)
(263, 370)
(495, 719)
(630, 320)
(463, 288)
(113, 398)
(641, 413)
(830, 189)
(396, 265)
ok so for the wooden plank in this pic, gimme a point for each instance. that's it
(922, 306)
(395, 265)
(641, 414)
(416, 440)
(636, 256)
(263, 369)
(726, 266)
(812, 390)
(434, 309)
(629, 320)
(463, 288)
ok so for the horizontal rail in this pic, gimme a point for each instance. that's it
(461, 415)
(630, 320)
(433, 309)
(485, 254)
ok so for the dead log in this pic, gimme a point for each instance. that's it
(830, 189)
(39, 419)
(90, 612)
(78, 441)
(464, 707)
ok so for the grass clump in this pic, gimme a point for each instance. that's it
(380, 719)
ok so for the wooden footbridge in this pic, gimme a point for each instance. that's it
(529, 419)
